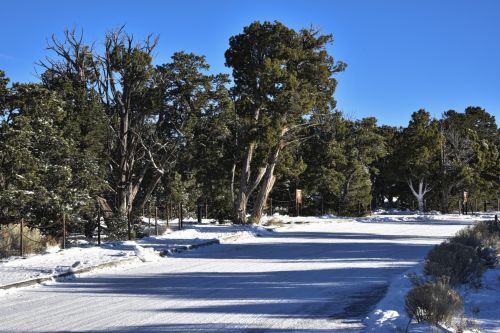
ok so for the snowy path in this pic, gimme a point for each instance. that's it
(308, 278)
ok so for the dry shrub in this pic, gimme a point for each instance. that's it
(467, 237)
(457, 262)
(482, 234)
(33, 240)
(435, 303)
(274, 221)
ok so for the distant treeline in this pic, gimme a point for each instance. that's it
(105, 131)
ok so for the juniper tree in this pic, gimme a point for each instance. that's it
(35, 156)
(418, 154)
(281, 76)
(340, 162)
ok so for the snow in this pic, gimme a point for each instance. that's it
(389, 314)
(17, 269)
(315, 274)
(146, 254)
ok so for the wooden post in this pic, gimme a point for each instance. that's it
(167, 212)
(156, 220)
(149, 219)
(322, 206)
(459, 207)
(206, 209)
(271, 204)
(21, 245)
(64, 232)
(129, 228)
(198, 212)
(99, 226)
(180, 216)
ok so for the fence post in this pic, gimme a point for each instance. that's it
(167, 212)
(206, 209)
(129, 231)
(156, 220)
(99, 226)
(21, 251)
(149, 219)
(198, 212)
(64, 231)
(271, 204)
(180, 216)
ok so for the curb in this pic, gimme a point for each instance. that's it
(31, 282)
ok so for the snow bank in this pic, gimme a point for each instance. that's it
(389, 314)
(146, 254)
(481, 305)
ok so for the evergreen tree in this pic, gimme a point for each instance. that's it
(418, 154)
(340, 162)
(35, 156)
(280, 77)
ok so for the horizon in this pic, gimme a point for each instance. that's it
(396, 62)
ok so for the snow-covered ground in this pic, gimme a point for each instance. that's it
(55, 261)
(326, 275)
(480, 305)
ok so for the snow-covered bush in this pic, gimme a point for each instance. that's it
(33, 241)
(457, 262)
(435, 303)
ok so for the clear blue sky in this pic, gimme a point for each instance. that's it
(401, 55)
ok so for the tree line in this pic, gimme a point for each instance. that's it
(107, 128)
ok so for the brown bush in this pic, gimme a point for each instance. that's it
(455, 261)
(435, 303)
(482, 234)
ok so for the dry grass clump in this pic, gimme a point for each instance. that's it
(33, 240)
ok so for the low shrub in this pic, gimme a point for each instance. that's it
(456, 262)
(482, 234)
(434, 302)
(33, 240)
(484, 238)
(274, 221)
(467, 237)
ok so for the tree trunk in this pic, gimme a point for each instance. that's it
(240, 208)
(265, 187)
(247, 186)
(423, 189)
(123, 170)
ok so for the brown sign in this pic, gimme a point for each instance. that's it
(298, 196)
